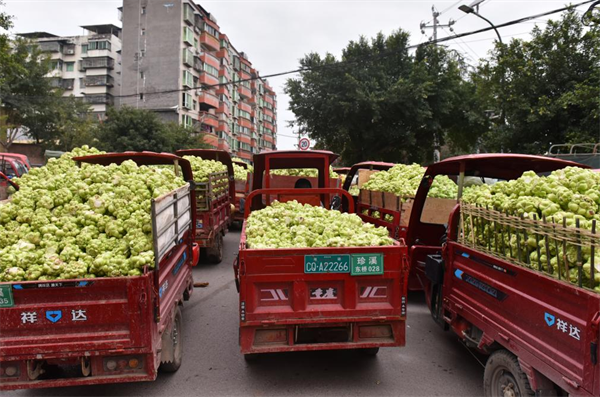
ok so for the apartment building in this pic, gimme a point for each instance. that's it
(87, 66)
(176, 62)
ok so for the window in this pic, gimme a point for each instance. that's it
(244, 114)
(188, 79)
(143, 32)
(187, 101)
(143, 11)
(142, 75)
(98, 45)
(188, 57)
(187, 121)
(211, 70)
(210, 30)
(56, 64)
(223, 80)
(223, 44)
(141, 96)
(84, 48)
(196, 43)
(70, 66)
(188, 35)
(194, 104)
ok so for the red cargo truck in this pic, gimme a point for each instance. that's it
(242, 188)
(370, 207)
(312, 298)
(213, 203)
(105, 330)
(541, 333)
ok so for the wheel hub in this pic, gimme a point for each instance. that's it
(507, 385)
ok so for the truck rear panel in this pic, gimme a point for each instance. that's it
(286, 307)
(73, 320)
(549, 324)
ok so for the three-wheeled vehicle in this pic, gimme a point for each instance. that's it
(111, 329)
(295, 299)
(213, 203)
(242, 188)
(541, 333)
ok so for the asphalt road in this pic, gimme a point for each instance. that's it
(433, 363)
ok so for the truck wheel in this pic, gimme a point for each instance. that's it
(503, 376)
(176, 339)
(371, 352)
(250, 357)
(215, 253)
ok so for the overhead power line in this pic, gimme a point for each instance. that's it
(354, 60)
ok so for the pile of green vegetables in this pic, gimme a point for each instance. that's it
(569, 196)
(403, 180)
(202, 168)
(69, 222)
(241, 173)
(292, 224)
(303, 172)
(377, 214)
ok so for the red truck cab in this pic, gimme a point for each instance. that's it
(108, 329)
(21, 157)
(288, 304)
(541, 333)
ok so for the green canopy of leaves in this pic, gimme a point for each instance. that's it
(135, 129)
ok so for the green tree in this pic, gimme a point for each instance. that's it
(135, 129)
(378, 102)
(30, 104)
(545, 90)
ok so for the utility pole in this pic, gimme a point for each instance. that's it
(435, 24)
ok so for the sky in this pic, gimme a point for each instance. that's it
(276, 34)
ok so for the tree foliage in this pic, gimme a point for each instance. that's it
(378, 102)
(135, 129)
(546, 88)
(29, 104)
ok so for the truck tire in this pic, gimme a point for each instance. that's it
(503, 376)
(370, 352)
(215, 253)
(176, 339)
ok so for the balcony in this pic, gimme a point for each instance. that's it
(208, 101)
(223, 90)
(97, 63)
(223, 108)
(210, 59)
(51, 46)
(209, 119)
(98, 81)
(244, 122)
(210, 42)
(188, 14)
(244, 92)
(208, 79)
(245, 107)
(99, 99)
(68, 84)
(223, 126)
(188, 57)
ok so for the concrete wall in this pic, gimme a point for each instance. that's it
(161, 64)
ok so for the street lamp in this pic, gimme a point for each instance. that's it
(470, 9)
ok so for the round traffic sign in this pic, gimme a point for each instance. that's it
(304, 144)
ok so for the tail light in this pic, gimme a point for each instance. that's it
(123, 363)
(9, 370)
